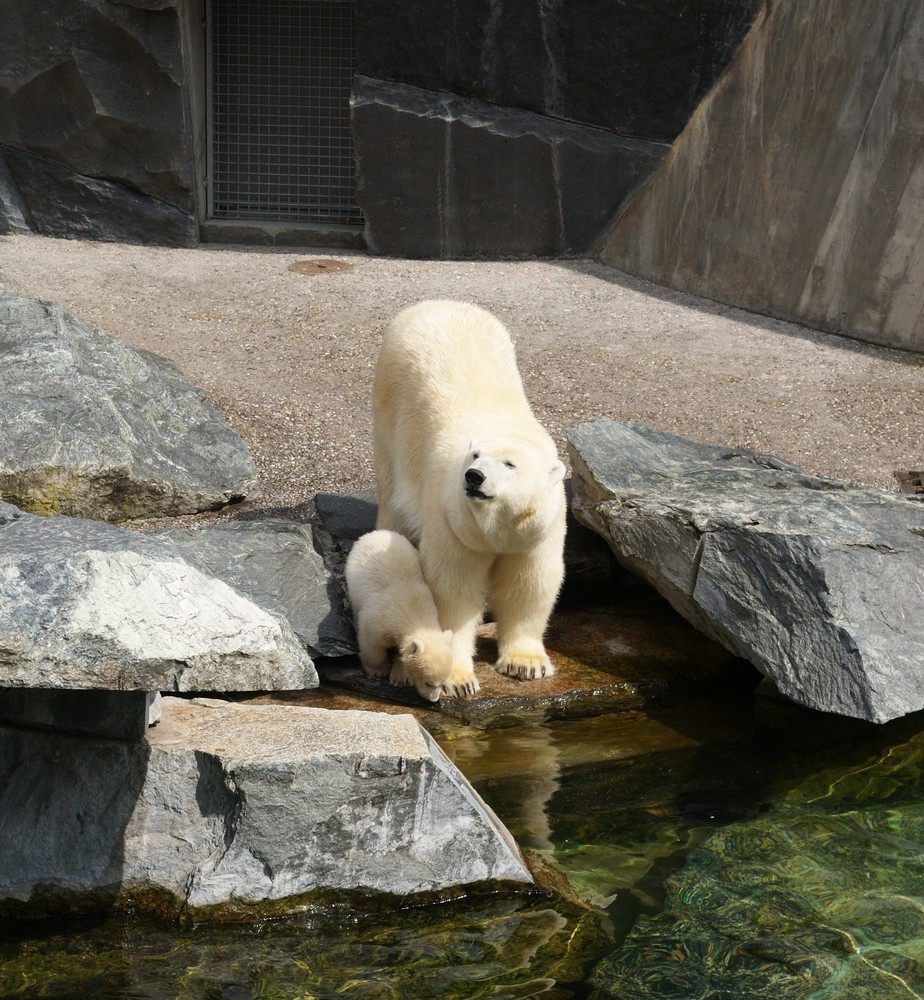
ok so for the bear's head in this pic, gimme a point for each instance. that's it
(512, 489)
(426, 661)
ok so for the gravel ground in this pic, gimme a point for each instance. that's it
(288, 356)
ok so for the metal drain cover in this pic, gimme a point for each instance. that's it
(319, 266)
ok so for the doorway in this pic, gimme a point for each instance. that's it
(279, 143)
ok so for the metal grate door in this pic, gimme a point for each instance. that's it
(280, 73)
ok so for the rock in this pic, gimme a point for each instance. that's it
(635, 69)
(65, 203)
(14, 215)
(94, 428)
(819, 583)
(425, 192)
(274, 564)
(117, 715)
(226, 808)
(97, 122)
(89, 605)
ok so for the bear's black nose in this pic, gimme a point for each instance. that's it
(474, 478)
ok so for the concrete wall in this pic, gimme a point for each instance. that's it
(797, 188)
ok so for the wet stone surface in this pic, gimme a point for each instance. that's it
(612, 654)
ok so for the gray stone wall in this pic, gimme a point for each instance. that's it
(795, 190)
(96, 102)
(519, 127)
(494, 128)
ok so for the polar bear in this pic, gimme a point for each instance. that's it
(467, 473)
(394, 609)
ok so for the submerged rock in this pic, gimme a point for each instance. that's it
(225, 808)
(90, 605)
(819, 583)
(94, 428)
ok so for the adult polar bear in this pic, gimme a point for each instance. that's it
(465, 471)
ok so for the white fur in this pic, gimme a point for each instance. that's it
(393, 609)
(447, 399)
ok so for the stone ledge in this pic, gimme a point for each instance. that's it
(225, 808)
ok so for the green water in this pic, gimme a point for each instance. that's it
(740, 849)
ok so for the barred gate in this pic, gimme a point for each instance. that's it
(279, 143)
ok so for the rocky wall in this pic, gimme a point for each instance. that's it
(95, 117)
(519, 127)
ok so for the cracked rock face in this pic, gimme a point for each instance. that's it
(90, 605)
(93, 428)
(819, 583)
(275, 564)
(243, 805)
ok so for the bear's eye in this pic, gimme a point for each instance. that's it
(475, 456)
(509, 464)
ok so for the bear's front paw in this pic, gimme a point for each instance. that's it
(527, 665)
(461, 682)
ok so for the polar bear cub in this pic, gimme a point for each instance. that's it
(464, 470)
(394, 609)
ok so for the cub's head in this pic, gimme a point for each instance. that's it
(425, 660)
(512, 489)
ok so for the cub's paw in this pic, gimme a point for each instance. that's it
(461, 682)
(525, 664)
(399, 675)
(375, 668)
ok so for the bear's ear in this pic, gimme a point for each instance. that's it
(556, 474)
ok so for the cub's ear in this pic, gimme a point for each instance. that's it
(412, 648)
(556, 474)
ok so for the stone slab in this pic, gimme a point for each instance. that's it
(118, 715)
(274, 563)
(89, 605)
(795, 190)
(552, 190)
(635, 69)
(819, 583)
(225, 809)
(626, 649)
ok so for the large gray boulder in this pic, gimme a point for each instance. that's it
(225, 807)
(277, 565)
(87, 605)
(819, 583)
(94, 428)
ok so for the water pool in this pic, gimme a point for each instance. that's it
(727, 848)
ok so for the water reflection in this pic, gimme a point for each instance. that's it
(785, 861)
(496, 948)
